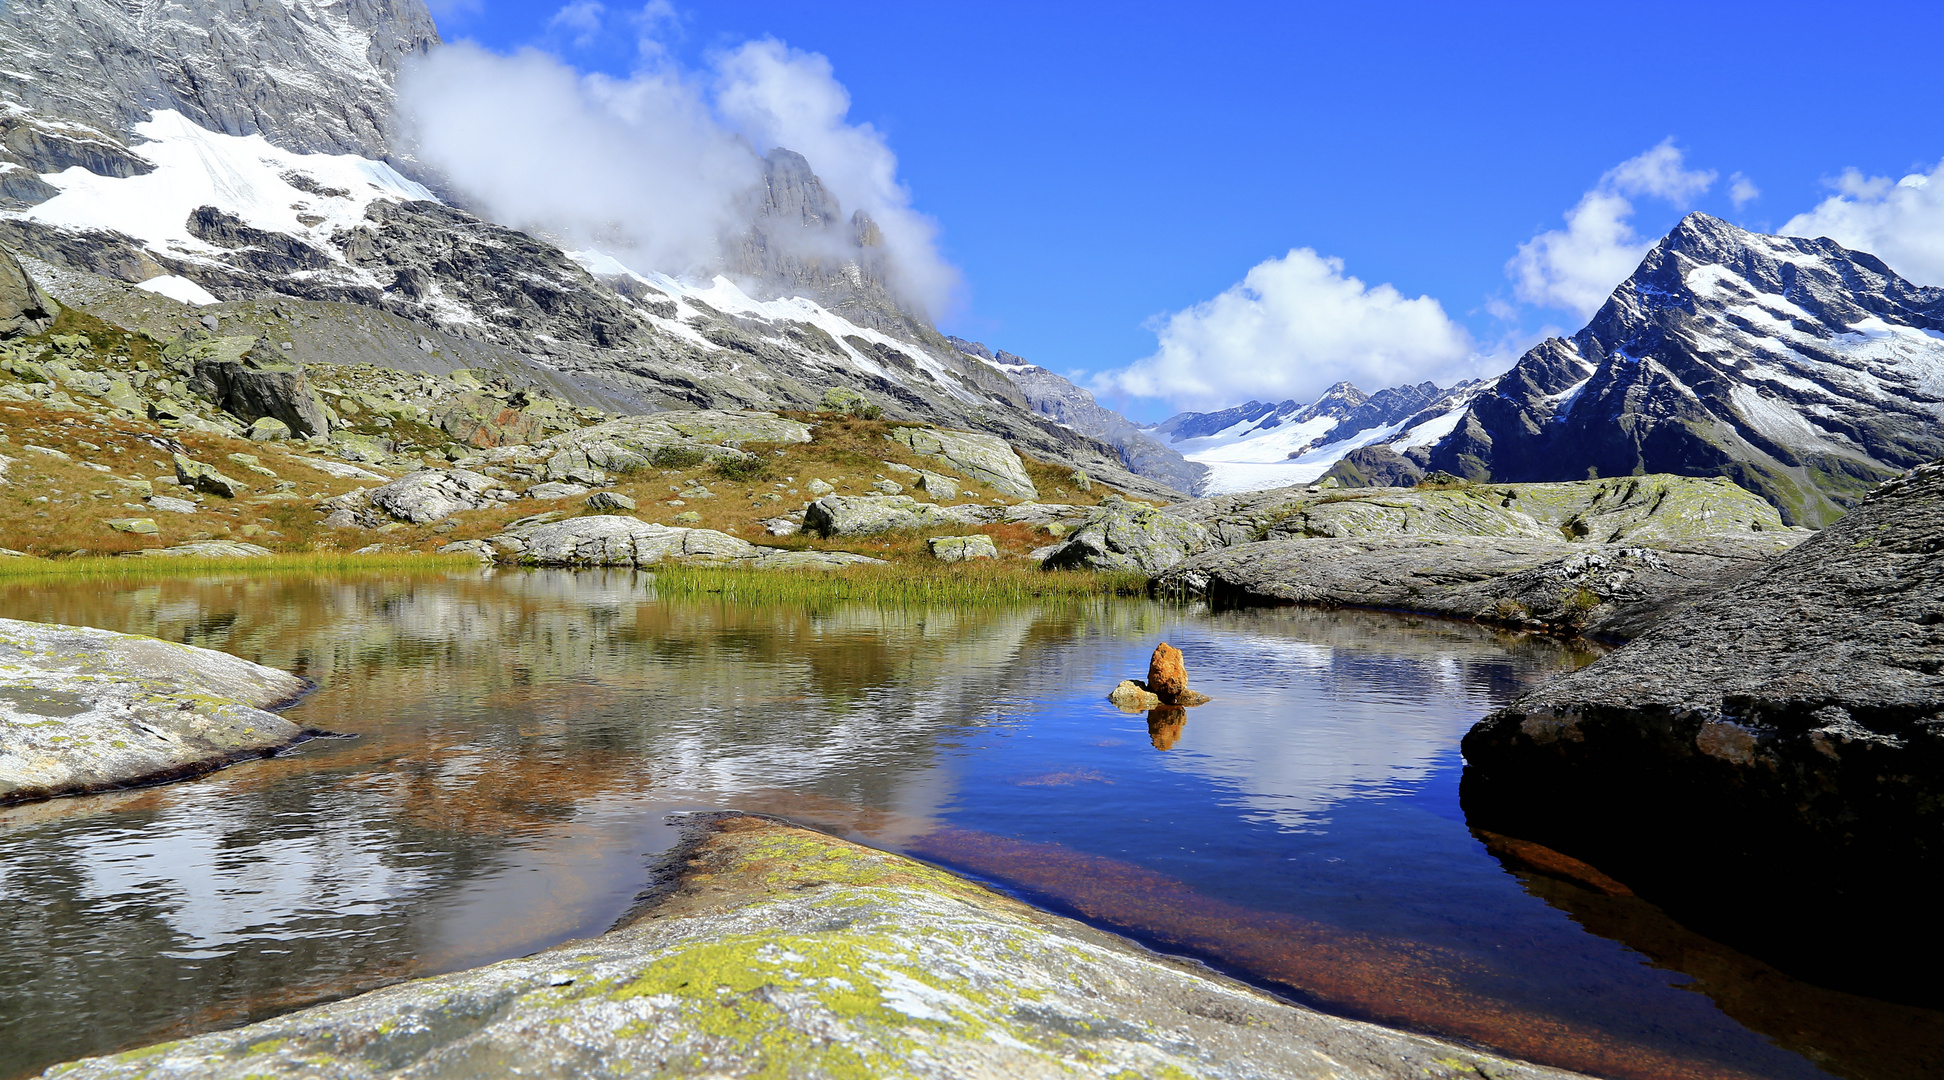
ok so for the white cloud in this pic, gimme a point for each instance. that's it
(1579, 266)
(1290, 328)
(778, 96)
(655, 169)
(637, 167)
(1900, 222)
(1742, 190)
(582, 18)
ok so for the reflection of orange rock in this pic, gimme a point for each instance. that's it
(1166, 677)
(1165, 724)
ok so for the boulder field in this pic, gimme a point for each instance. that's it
(1767, 761)
(776, 951)
(88, 710)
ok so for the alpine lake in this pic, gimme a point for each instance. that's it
(522, 741)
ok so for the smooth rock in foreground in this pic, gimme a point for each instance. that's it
(86, 710)
(776, 951)
(1767, 763)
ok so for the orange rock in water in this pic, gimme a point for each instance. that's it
(1167, 678)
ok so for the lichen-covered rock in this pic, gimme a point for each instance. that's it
(1605, 591)
(137, 526)
(638, 442)
(1630, 510)
(985, 459)
(1127, 536)
(937, 485)
(866, 515)
(775, 951)
(1768, 761)
(962, 548)
(208, 549)
(610, 500)
(24, 309)
(269, 429)
(1131, 696)
(616, 540)
(86, 710)
(202, 476)
(255, 384)
(437, 494)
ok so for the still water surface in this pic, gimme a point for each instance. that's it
(523, 738)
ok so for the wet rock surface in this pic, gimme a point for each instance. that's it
(1602, 590)
(773, 950)
(86, 710)
(1767, 759)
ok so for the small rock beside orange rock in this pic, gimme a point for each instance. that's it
(1167, 684)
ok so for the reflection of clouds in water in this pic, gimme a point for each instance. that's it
(1297, 727)
(219, 878)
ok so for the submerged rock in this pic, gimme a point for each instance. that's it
(1767, 763)
(776, 951)
(87, 710)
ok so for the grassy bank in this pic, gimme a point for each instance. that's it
(316, 563)
(962, 583)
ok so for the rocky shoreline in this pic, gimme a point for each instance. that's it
(1767, 758)
(774, 950)
(85, 710)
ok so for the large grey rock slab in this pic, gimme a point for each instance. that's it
(617, 540)
(1767, 759)
(86, 710)
(867, 515)
(435, 494)
(1121, 535)
(639, 442)
(775, 951)
(1623, 510)
(1610, 591)
(984, 459)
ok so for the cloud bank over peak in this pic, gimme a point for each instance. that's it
(1292, 327)
(657, 169)
(1900, 222)
(1578, 267)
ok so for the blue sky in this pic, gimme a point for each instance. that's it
(1093, 169)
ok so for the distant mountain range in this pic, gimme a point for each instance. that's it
(1802, 370)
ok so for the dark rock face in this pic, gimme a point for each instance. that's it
(1798, 368)
(1375, 466)
(260, 384)
(24, 309)
(1766, 763)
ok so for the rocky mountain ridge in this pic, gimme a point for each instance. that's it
(291, 201)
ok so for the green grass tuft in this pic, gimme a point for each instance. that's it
(979, 582)
(318, 563)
